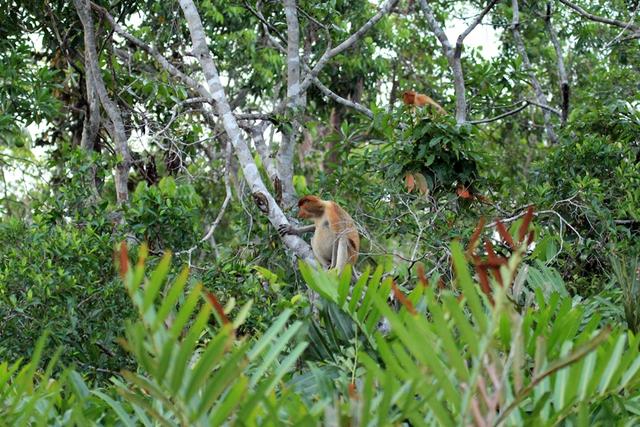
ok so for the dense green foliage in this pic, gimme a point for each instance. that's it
(487, 362)
(54, 279)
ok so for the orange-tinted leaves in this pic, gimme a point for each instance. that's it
(493, 262)
(422, 278)
(502, 230)
(473, 242)
(416, 180)
(403, 300)
(217, 306)
(497, 276)
(484, 282)
(142, 255)
(463, 192)
(483, 199)
(421, 182)
(124, 259)
(524, 227)
(353, 392)
(492, 259)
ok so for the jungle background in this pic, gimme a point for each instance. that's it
(132, 129)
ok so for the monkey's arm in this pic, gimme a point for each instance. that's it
(288, 229)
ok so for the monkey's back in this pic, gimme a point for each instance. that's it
(343, 224)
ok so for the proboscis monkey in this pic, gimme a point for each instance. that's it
(411, 97)
(335, 240)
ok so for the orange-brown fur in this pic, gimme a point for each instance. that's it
(411, 97)
(335, 234)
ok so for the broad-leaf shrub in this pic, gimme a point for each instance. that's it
(190, 371)
(27, 89)
(72, 193)
(461, 356)
(61, 278)
(442, 152)
(190, 375)
(593, 181)
(233, 280)
(166, 215)
(468, 356)
(32, 395)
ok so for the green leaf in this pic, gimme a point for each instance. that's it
(269, 335)
(276, 347)
(469, 290)
(168, 303)
(157, 279)
(233, 398)
(612, 363)
(186, 348)
(117, 408)
(209, 359)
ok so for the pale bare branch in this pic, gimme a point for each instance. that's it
(542, 100)
(340, 100)
(603, 20)
(473, 25)
(118, 133)
(223, 208)
(454, 55)
(262, 197)
(503, 115)
(384, 9)
(295, 105)
(562, 72)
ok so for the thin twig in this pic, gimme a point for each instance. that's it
(590, 16)
(616, 38)
(562, 73)
(548, 211)
(384, 9)
(503, 115)
(473, 25)
(542, 101)
(340, 100)
(223, 208)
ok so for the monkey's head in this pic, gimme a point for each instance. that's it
(310, 207)
(409, 97)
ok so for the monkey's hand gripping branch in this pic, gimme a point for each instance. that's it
(285, 229)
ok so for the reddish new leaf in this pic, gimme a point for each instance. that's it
(492, 259)
(505, 234)
(473, 242)
(484, 282)
(422, 278)
(217, 306)
(522, 231)
(463, 192)
(496, 275)
(403, 300)
(124, 259)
